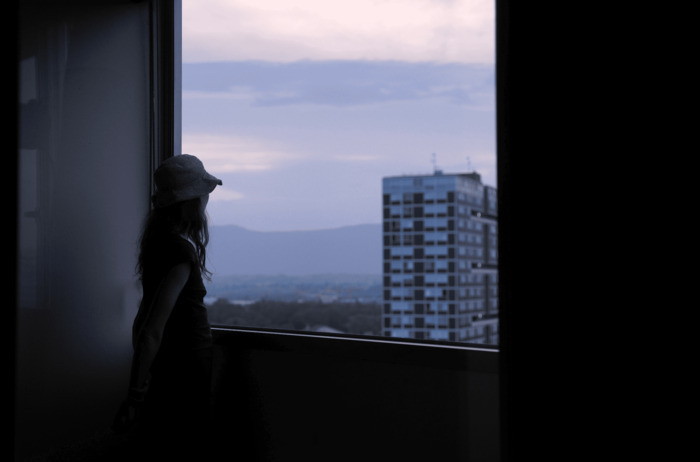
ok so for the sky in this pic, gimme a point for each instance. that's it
(302, 107)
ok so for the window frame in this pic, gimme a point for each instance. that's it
(165, 18)
(167, 109)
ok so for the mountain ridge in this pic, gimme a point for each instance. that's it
(353, 249)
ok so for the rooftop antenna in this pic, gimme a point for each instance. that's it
(436, 170)
(469, 164)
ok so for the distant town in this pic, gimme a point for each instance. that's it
(321, 288)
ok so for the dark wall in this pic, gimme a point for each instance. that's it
(289, 397)
(83, 171)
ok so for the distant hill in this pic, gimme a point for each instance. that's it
(234, 250)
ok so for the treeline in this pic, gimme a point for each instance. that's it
(362, 288)
(350, 318)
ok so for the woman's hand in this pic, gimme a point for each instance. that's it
(126, 417)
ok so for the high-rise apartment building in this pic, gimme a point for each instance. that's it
(440, 258)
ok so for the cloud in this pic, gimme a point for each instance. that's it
(302, 107)
(406, 30)
(419, 115)
(355, 158)
(225, 153)
(339, 83)
(222, 193)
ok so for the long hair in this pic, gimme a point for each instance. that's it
(186, 218)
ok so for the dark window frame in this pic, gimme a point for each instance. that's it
(166, 108)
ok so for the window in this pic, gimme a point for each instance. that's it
(303, 110)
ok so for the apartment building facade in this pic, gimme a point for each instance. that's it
(440, 260)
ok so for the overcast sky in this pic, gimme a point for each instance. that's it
(301, 107)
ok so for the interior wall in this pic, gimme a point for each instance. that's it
(83, 191)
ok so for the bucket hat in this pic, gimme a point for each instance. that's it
(180, 178)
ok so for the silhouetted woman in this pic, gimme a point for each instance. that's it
(169, 386)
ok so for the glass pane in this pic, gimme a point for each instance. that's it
(356, 143)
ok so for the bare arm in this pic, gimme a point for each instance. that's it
(148, 338)
(147, 341)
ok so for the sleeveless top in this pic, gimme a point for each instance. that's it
(187, 329)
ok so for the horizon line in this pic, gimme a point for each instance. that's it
(213, 225)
